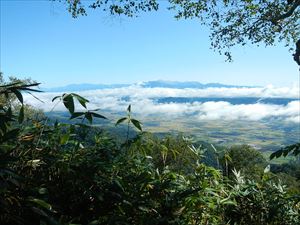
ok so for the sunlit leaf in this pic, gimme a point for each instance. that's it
(43, 191)
(64, 138)
(267, 169)
(41, 203)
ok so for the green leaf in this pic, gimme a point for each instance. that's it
(94, 222)
(286, 152)
(43, 191)
(267, 169)
(64, 138)
(129, 108)
(81, 99)
(144, 209)
(21, 115)
(23, 86)
(118, 185)
(276, 154)
(228, 202)
(18, 95)
(137, 124)
(120, 121)
(45, 218)
(56, 97)
(89, 117)
(41, 203)
(12, 134)
(293, 149)
(69, 102)
(10, 85)
(97, 115)
(72, 128)
(29, 89)
(76, 114)
(9, 112)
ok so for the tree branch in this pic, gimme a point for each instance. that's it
(288, 13)
(297, 53)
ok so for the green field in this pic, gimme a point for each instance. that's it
(262, 135)
(266, 136)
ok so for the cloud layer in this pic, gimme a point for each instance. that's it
(143, 103)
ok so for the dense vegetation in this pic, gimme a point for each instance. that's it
(55, 173)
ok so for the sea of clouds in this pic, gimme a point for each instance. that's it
(143, 102)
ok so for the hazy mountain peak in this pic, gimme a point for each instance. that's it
(146, 84)
(184, 84)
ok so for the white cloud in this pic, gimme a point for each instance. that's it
(258, 111)
(142, 102)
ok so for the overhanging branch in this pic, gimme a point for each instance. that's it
(297, 53)
(289, 13)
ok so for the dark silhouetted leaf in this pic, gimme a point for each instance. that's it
(294, 149)
(121, 120)
(21, 115)
(97, 115)
(129, 108)
(69, 103)
(89, 117)
(137, 124)
(81, 99)
(56, 97)
(18, 95)
(76, 114)
(10, 135)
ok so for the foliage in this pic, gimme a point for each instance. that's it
(9, 100)
(261, 203)
(289, 173)
(245, 21)
(177, 153)
(291, 149)
(244, 158)
(68, 101)
(56, 174)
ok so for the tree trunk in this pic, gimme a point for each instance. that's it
(297, 53)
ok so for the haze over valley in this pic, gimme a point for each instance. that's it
(267, 117)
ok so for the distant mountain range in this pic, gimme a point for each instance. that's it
(186, 84)
(148, 84)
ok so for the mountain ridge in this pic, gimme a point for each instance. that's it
(147, 84)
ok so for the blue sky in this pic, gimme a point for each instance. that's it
(39, 39)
